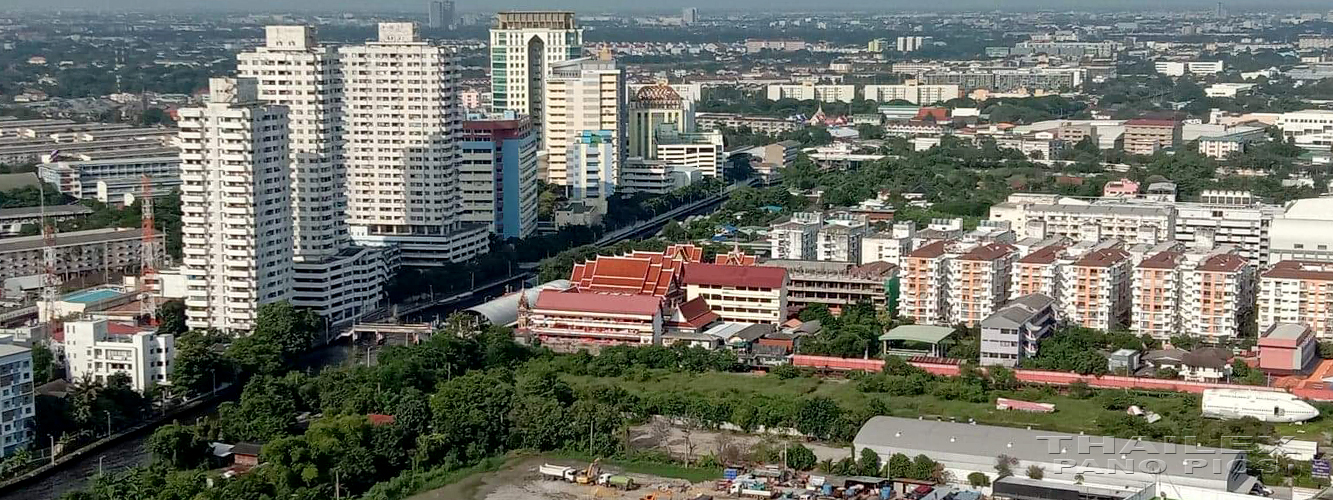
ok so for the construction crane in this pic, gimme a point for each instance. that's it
(148, 255)
(50, 280)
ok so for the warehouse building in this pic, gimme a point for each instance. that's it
(1174, 470)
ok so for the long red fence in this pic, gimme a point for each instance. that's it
(941, 367)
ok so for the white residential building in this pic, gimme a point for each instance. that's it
(17, 424)
(796, 238)
(593, 167)
(1304, 231)
(401, 146)
(888, 247)
(840, 238)
(810, 91)
(339, 281)
(1180, 68)
(295, 71)
(96, 349)
(913, 93)
(235, 206)
(524, 46)
(911, 43)
(583, 96)
(1014, 332)
(1310, 129)
(699, 150)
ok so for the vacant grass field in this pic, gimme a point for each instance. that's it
(1071, 415)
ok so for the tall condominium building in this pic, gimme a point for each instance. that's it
(236, 210)
(440, 14)
(1294, 291)
(1218, 297)
(402, 126)
(1039, 272)
(583, 96)
(294, 71)
(1096, 289)
(524, 45)
(925, 284)
(339, 281)
(1157, 295)
(17, 421)
(689, 15)
(651, 107)
(979, 282)
(498, 176)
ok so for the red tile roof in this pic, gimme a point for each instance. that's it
(1043, 255)
(930, 251)
(637, 274)
(695, 314)
(1300, 269)
(1163, 260)
(725, 275)
(122, 329)
(1105, 257)
(987, 253)
(1226, 262)
(735, 258)
(605, 303)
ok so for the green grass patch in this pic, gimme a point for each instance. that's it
(648, 467)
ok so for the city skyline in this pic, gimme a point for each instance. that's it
(669, 7)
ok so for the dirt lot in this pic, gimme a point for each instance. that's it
(520, 481)
(703, 442)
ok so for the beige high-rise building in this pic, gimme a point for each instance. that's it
(401, 148)
(1097, 289)
(584, 98)
(236, 210)
(1296, 291)
(979, 282)
(524, 46)
(651, 107)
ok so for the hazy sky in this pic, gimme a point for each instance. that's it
(661, 5)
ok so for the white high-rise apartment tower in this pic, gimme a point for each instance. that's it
(235, 206)
(292, 70)
(584, 97)
(401, 130)
(524, 45)
(332, 277)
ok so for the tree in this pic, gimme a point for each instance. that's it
(1002, 378)
(801, 458)
(672, 231)
(1167, 373)
(900, 466)
(1004, 465)
(1242, 373)
(177, 446)
(1036, 472)
(817, 416)
(869, 463)
(198, 366)
(1184, 342)
(978, 479)
(923, 467)
(43, 363)
(171, 318)
(1079, 389)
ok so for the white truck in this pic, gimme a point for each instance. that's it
(559, 472)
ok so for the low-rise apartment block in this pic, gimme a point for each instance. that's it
(1014, 332)
(96, 349)
(797, 238)
(1147, 136)
(812, 92)
(94, 251)
(839, 285)
(913, 93)
(888, 246)
(739, 294)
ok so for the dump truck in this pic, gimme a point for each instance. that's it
(621, 482)
(560, 472)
